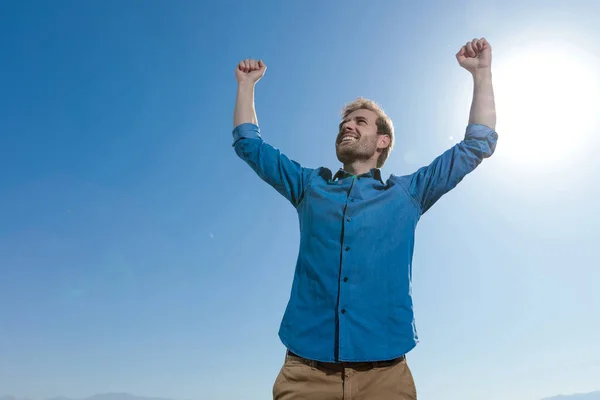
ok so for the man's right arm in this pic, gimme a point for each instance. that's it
(244, 103)
(284, 175)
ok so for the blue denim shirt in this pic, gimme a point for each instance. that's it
(351, 293)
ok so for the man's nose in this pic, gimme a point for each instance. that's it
(348, 126)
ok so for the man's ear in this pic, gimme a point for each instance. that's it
(383, 142)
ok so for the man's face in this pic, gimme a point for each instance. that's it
(358, 139)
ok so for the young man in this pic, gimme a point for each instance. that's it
(349, 321)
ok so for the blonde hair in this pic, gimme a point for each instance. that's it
(384, 123)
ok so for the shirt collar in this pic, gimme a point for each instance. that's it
(373, 173)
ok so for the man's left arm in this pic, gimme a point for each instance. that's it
(476, 57)
(431, 182)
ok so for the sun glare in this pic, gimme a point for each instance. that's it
(548, 101)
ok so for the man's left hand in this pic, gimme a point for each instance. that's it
(475, 55)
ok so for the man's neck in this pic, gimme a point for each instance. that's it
(360, 167)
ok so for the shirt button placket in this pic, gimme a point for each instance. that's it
(348, 219)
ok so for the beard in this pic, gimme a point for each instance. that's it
(359, 150)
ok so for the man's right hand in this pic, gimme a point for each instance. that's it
(250, 71)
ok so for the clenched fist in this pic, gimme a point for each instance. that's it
(474, 55)
(250, 71)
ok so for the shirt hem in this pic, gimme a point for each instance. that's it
(294, 350)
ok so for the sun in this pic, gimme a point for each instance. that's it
(548, 102)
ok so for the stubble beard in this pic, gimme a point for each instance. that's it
(357, 151)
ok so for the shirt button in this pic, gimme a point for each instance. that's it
(352, 200)
(348, 219)
(345, 279)
(347, 248)
(343, 311)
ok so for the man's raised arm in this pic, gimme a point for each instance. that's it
(431, 182)
(476, 57)
(286, 176)
(247, 73)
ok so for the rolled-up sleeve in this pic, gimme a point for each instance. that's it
(431, 182)
(286, 176)
(245, 131)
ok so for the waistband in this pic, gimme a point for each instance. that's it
(348, 364)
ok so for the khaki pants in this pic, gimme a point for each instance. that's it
(301, 379)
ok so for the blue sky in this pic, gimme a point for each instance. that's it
(139, 254)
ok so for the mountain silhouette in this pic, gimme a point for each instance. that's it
(578, 396)
(104, 396)
(127, 396)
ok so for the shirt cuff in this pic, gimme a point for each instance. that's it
(246, 130)
(478, 131)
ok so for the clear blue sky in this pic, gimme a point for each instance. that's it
(139, 254)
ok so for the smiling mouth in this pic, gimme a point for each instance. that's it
(347, 138)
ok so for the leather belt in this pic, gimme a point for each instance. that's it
(348, 364)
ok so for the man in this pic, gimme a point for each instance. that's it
(349, 322)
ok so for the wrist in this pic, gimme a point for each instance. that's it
(246, 86)
(482, 73)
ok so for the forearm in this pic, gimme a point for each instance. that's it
(244, 105)
(483, 107)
